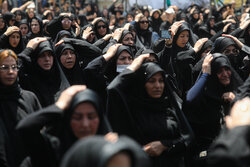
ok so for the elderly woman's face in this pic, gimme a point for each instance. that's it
(128, 40)
(124, 58)
(68, 58)
(8, 71)
(85, 120)
(155, 85)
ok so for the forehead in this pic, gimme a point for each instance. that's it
(230, 47)
(34, 21)
(15, 34)
(85, 108)
(144, 19)
(124, 54)
(185, 32)
(100, 23)
(128, 35)
(8, 61)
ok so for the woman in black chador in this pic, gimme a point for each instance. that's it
(141, 104)
(76, 115)
(208, 101)
(15, 104)
(42, 75)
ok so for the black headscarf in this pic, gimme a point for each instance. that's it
(221, 43)
(66, 135)
(7, 17)
(5, 26)
(74, 75)
(60, 34)
(97, 152)
(110, 71)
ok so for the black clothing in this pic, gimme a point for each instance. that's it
(46, 84)
(132, 112)
(96, 151)
(231, 149)
(47, 149)
(61, 34)
(7, 17)
(15, 104)
(175, 61)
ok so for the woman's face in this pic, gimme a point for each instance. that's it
(31, 13)
(156, 15)
(24, 29)
(182, 39)
(45, 60)
(124, 58)
(18, 17)
(2, 23)
(14, 39)
(155, 85)
(212, 22)
(101, 28)
(130, 18)
(85, 120)
(66, 23)
(35, 27)
(143, 23)
(68, 58)
(128, 40)
(224, 75)
(8, 71)
(120, 159)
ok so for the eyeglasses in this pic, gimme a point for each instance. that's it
(102, 26)
(7, 67)
(66, 21)
(143, 22)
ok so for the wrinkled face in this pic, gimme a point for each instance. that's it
(66, 23)
(68, 58)
(14, 39)
(8, 71)
(2, 23)
(144, 23)
(156, 15)
(128, 40)
(45, 60)
(35, 27)
(24, 29)
(224, 76)
(182, 39)
(85, 120)
(212, 23)
(120, 159)
(101, 28)
(124, 58)
(230, 50)
(155, 86)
